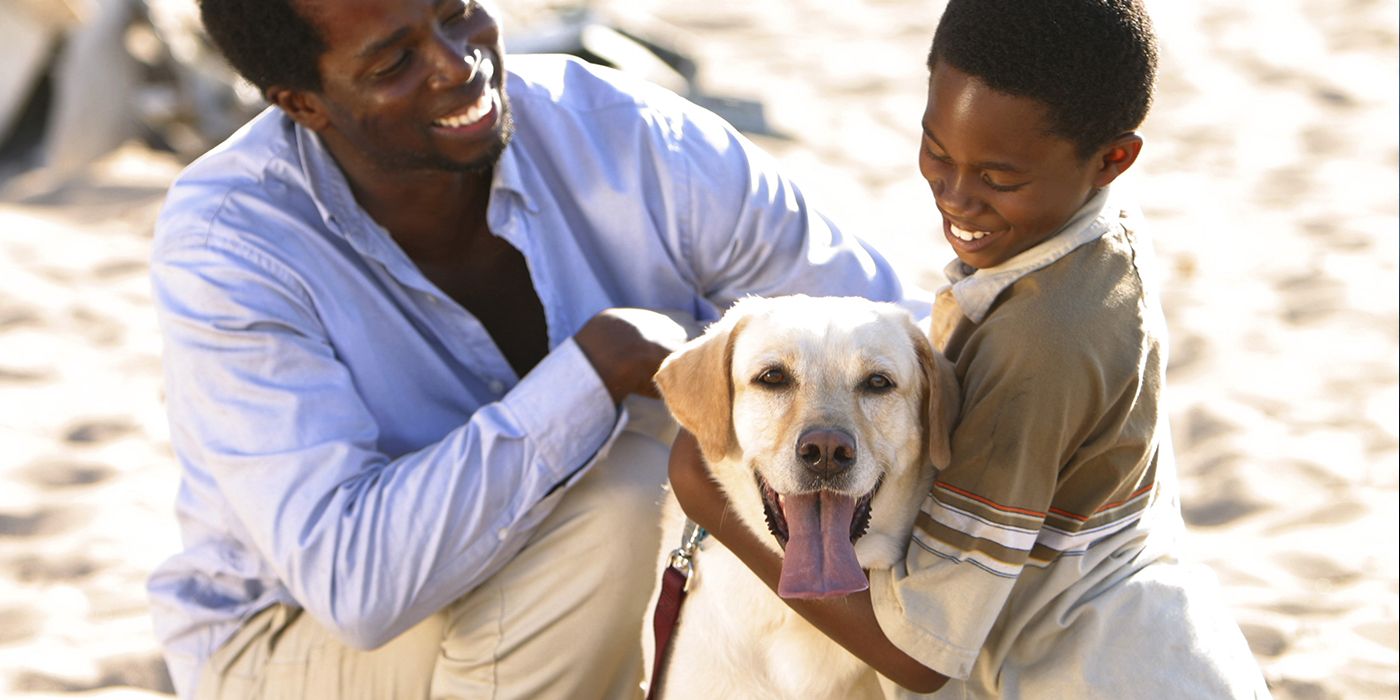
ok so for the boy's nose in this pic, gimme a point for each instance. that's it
(953, 196)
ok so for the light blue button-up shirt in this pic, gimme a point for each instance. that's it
(351, 439)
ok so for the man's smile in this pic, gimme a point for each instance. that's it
(485, 106)
(480, 113)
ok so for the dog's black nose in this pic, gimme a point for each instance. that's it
(826, 451)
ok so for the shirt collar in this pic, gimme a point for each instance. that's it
(336, 202)
(976, 290)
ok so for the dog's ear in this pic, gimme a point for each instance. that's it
(944, 400)
(694, 382)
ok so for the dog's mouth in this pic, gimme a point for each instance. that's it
(817, 531)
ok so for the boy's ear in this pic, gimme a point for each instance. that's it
(303, 106)
(1115, 158)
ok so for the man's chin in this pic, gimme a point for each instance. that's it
(486, 162)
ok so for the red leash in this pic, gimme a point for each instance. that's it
(675, 582)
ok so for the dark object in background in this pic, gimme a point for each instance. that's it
(84, 76)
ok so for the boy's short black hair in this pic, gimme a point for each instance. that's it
(267, 41)
(1091, 62)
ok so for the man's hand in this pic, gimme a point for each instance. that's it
(626, 346)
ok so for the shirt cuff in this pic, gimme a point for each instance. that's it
(928, 649)
(565, 410)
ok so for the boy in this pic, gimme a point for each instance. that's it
(1043, 562)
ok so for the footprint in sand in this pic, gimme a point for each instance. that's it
(41, 570)
(1311, 297)
(1215, 512)
(145, 671)
(137, 671)
(120, 268)
(60, 474)
(97, 327)
(1332, 513)
(1318, 568)
(16, 316)
(1265, 639)
(44, 521)
(17, 624)
(99, 430)
(23, 376)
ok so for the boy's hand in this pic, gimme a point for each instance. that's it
(626, 346)
(697, 492)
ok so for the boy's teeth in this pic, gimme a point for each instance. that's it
(473, 114)
(965, 235)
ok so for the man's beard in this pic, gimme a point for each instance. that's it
(487, 162)
(434, 161)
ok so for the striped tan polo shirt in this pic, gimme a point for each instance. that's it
(1058, 505)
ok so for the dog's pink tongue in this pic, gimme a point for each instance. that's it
(820, 561)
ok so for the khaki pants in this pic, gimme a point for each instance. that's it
(562, 620)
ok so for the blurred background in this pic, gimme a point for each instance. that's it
(1271, 178)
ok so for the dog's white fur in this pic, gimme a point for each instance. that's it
(736, 638)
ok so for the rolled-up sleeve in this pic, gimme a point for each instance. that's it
(264, 413)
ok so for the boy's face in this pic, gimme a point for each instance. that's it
(1002, 182)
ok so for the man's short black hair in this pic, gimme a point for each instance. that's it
(267, 41)
(1091, 62)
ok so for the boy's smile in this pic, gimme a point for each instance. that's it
(1002, 181)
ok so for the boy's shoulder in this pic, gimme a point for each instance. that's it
(1098, 298)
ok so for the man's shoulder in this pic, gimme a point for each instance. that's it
(251, 171)
(555, 84)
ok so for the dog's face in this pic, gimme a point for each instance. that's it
(814, 416)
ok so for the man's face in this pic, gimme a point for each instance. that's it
(1001, 180)
(413, 84)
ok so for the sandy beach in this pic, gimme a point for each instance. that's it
(1269, 179)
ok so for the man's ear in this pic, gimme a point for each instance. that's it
(1115, 158)
(303, 106)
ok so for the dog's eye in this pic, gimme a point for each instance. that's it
(879, 383)
(773, 377)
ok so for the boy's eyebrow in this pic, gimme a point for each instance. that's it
(394, 38)
(983, 165)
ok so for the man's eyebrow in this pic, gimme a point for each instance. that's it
(983, 165)
(394, 38)
(380, 45)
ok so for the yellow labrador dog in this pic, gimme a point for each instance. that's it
(821, 419)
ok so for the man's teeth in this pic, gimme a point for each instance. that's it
(965, 235)
(473, 114)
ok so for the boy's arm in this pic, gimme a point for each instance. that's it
(849, 621)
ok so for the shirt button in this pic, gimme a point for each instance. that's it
(502, 534)
(497, 386)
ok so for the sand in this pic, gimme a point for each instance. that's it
(1270, 179)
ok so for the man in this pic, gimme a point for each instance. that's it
(403, 317)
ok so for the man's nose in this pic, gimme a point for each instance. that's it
(453, 67)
